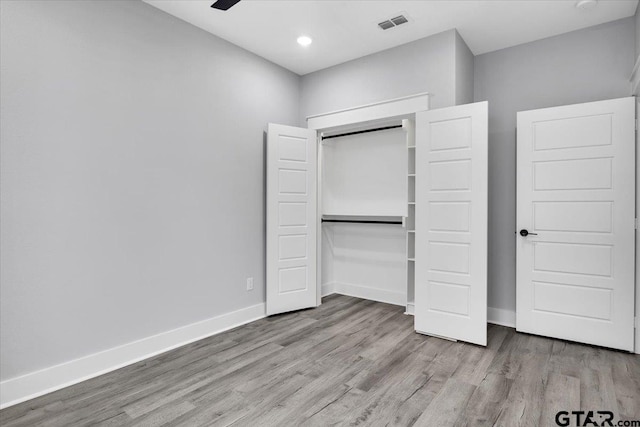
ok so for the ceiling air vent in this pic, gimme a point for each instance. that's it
(398, 20)
(385, 25)
(393, 22)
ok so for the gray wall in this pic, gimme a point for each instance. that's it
(426, 65)
(585, 65)
(132, 176)
(637, 21)
(464, 72)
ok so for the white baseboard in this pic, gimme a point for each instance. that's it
(328, 289)
(34, 384)
(358, 291)
(411, 308)
(499, 316)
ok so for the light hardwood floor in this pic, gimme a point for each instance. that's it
(348, 362)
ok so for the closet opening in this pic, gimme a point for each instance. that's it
(366, 183)
(343, 216)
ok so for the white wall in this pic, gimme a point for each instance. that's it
(585, 65)
(366, 261)
(132, 176)
(365, 174)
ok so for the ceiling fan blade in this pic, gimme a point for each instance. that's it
(224, 4)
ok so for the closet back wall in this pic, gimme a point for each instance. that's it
(132, 176)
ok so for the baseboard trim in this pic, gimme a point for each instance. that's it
(328, 289)
(499, 316)
(35, 384)
(358, 291)
(411, 309)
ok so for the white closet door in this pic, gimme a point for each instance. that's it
(451, 223)
(576, 210)
(291, 218)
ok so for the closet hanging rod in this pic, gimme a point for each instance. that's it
(361, 131)
(362, 221)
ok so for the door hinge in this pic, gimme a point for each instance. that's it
(636, 125)
(636, 223)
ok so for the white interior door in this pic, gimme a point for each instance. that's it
(291, 218)
(576, 201)
(451, 223)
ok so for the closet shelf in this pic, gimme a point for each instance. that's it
(374, 219)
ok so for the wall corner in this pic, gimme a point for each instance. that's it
(464, 71)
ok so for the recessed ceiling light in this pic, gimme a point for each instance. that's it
(304, 41)
(586, 4)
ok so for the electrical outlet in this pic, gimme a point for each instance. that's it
(250, 283)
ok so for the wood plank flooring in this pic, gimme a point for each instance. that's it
(349, 362)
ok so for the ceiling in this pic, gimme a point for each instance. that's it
(347, 29)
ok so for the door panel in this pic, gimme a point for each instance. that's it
(451, 223)
(291, 219)
(576, 192)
